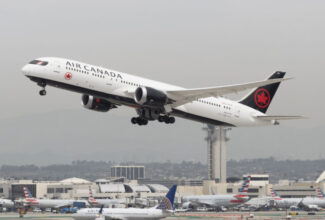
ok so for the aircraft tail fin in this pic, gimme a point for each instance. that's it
(27, 193)
(320, 193)
(92, 200)
(274, 193)
(90, 193)
(213, 192)
(168, 201)
(244, 188)
(261, 97)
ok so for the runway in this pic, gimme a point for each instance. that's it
(184, 216)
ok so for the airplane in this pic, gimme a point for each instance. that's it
(284, 202)
(264, 201)
(218, 201)
(102, 202)
(6, 203)
(314, 202)
(164, 209)
(48, 203)
(104, 89)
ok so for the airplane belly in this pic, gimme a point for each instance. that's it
(205, 114)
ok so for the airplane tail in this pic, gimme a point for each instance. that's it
(274, 193)
(168, 201)
(27, 193)
(320, 193)
(244, 188)
(92, 200)
(260, 98)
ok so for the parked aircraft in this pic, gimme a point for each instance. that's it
(218, 201)
(6, 203)
(104, 89)
(314, 202)
(284, 202)
(164, 209)
(106, 203)
(49, 203)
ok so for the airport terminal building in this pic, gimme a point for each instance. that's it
(143, 192)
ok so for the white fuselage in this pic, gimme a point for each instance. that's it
(6, 203)
(228, 200)
(107, 203)
(287, 202)
(320, 202)
(52, 203)
(118, 88)
(119, 213)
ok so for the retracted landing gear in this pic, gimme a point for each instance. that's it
(139, 121)
(43, 85)
(166, 119)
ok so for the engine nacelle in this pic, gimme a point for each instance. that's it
(96, 104)
(150, 97)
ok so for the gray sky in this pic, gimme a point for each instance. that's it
(188, 43)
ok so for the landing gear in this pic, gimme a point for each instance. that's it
(139, 121)
(166, 119)
(43, 91)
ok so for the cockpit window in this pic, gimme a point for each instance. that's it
(39, 62)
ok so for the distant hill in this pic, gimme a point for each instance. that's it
(91, 170)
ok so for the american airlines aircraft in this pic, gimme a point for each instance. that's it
(164, 209)
(48, 203)
(102, 202)
(104, 89)
(6, 203)
(218, 201)
(315, 201)
(284, 202)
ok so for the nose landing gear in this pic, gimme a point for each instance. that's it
(42, 92)
(43, 85)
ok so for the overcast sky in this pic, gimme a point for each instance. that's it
(188, 43)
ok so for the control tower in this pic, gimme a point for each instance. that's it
(217, 138)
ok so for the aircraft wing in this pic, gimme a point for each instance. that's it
(183, 96)
(280, 117)
(207, 203)
(62, 205)
(115, 217)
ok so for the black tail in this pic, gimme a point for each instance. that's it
(260, 99)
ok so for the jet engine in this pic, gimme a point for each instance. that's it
(96, 104)
(150, 97)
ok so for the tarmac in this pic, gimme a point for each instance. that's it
(185, 216)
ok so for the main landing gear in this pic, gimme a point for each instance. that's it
(139, 121)
(43, 91)
(143, 121)
(166, 119)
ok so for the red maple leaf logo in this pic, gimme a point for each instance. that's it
(262, 98)
(68, 76)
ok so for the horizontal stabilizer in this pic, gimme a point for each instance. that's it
(280, 117)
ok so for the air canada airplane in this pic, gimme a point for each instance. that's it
(104, 89)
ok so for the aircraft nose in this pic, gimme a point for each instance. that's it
(26, 69)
